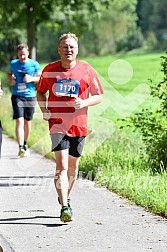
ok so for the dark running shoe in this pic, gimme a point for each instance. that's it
(65, 215)
(68, 204)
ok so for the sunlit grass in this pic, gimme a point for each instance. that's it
(141, 187)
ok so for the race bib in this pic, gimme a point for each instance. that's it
(21, 87)
(67, 88)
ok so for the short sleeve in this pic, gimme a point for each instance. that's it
(37, 68)
(94, 82)
(42, 86)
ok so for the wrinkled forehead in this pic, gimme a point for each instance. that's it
(69, 41)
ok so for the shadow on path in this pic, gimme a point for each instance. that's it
(13, 221)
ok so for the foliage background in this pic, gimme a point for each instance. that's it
(104, 27)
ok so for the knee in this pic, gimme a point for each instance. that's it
(20, 122)
(73, 168)
(60, 171)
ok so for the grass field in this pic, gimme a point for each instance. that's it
(112, 156)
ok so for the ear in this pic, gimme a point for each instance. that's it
(77, 52)
(58, 49)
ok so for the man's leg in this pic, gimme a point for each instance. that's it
(27, 129)
(61, 177)
(28, 116)
(73, 163)
(20, 130)
(75, 151)
(18, 115)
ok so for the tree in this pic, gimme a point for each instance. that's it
(115, 32)
(29, 14)
(153, 19)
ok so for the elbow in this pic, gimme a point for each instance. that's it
(100, 98)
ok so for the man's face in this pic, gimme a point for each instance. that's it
(23, 55)
(68, 49)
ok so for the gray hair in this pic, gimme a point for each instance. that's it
(68, 35)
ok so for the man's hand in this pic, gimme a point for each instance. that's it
(79, 103)
(46, 115)
(28, 78)
(12, 80)
(92, 100)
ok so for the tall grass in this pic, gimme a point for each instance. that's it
(118, 166)
(140, 186)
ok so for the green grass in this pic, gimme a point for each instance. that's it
(145, 67)
(118, 166)
(111, 154)
(139, 186)
(119, 100)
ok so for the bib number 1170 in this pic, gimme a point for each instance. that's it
(67, 88)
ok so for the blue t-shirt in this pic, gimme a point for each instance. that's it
(19, 69)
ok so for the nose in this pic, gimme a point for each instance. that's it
(69, 48)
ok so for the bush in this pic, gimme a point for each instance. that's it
(130, 42)
(152, 124)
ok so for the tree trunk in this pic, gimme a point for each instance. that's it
(31, 30)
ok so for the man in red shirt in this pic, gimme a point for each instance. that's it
(72, 86)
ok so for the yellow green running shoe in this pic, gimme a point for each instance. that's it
(21, 152)
(68, 204)
(65, 215)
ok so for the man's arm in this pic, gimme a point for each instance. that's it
(35, 78)
(42, 102)
(11, 78)
(91, 101)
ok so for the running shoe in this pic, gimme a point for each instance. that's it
(68, 204)
(65, 215)
(27, 152)
(21, 152)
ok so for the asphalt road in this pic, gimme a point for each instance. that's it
(103, 221)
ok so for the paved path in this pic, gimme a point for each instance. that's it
(103, 221)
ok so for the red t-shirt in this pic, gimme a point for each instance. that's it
(63, 86)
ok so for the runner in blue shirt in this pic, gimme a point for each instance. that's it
(23, 74)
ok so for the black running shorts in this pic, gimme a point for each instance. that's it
(23, 107)
(62, 142)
